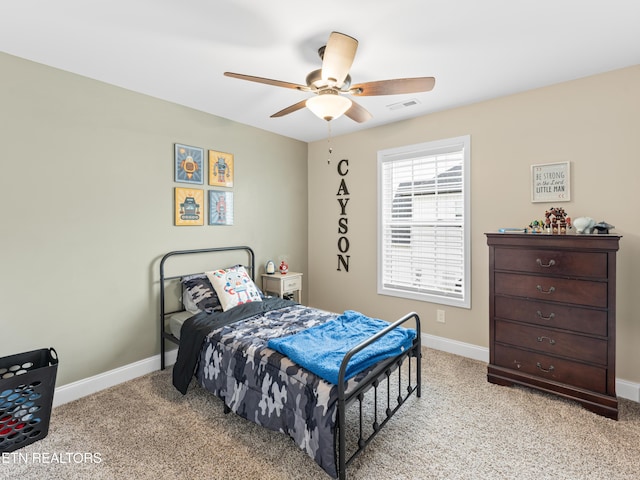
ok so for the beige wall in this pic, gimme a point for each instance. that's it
(86, 194)
(87, 204)
(591, 122)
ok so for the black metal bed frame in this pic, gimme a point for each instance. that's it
(379, 378)
(164, 335)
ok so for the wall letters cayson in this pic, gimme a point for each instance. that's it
(343, 221)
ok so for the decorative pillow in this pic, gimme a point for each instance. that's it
(234, 287)
(199, 295)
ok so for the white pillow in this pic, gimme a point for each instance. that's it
(233, 286)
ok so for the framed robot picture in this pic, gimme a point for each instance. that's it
(220, 169)
(189, 206)
(189, 163)
(220, 207)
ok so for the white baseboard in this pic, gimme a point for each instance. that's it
(628, 390)
(87, 386)
(624, 388)
(457, 348)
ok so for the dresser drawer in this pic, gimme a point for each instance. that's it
(588, 349)
(579, 292)
(584, 320)
(552, 262)
(551, 368)
(290, 284)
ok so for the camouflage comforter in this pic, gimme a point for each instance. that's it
(267, 388)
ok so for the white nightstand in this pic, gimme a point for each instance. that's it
(279, 284)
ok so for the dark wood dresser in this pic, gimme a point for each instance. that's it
(552, 311)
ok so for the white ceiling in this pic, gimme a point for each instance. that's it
(177, 50)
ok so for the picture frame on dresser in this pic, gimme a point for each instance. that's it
(552, 315)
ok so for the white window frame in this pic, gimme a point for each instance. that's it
(432, 149)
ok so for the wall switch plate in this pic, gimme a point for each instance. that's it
(440, 316)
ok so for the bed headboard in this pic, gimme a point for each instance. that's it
(177, 264)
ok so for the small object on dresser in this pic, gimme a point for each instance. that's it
(584, 224)
(536, 226)
(270, 267)
(557, 221)
(603, 227)
(284, 268)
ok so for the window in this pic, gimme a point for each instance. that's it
(423, 222)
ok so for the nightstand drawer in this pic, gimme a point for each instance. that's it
(578, 319)
(551, 368)
(293, 283)
(588, 349)
(579, 292)
(552, 262)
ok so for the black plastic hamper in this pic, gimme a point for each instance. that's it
(27, 383)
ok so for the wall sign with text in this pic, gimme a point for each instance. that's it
(343, 220)
(550, 182)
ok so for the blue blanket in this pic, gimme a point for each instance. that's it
(321, 349)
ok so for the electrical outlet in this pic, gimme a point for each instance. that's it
(440, 316)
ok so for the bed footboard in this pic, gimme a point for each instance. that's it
(379, 382)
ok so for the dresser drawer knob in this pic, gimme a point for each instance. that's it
(550, 317)
(541, 290)
(551, 263)
(551, 340)
(549, 370)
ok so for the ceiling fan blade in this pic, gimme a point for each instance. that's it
(338, 57)
(394, 87)
(293, 108)
(268, 81)
(358, 113)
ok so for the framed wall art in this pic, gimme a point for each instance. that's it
(551, 182)
(220, 169)
(220, 207)
(189, 206)
(189, 164)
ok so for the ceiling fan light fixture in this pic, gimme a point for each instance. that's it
(328, 105)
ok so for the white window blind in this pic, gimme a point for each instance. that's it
(423, 222)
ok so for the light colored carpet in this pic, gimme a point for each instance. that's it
(461, 428)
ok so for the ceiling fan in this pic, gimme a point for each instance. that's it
(332, 82)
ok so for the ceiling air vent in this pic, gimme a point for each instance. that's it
(407, 103)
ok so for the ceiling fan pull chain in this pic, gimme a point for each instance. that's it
(329, 143)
